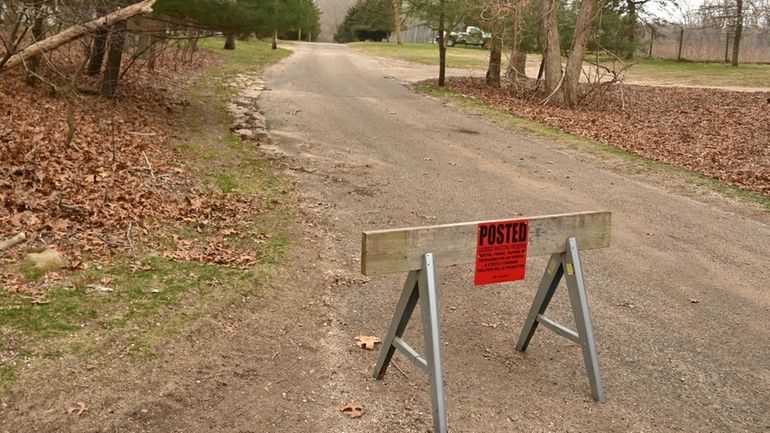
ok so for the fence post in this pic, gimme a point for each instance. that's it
(727, 46)
(681, 40)
(652, 41)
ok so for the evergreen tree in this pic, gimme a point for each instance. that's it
(367, 20)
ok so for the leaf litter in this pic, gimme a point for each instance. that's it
(116, 183)
(719, 133)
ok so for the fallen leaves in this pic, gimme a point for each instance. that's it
(117, 182)
(722, 134)
(78, 409)
(352, 409)
(367, 342)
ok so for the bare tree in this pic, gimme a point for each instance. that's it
(738, 31)
(114, 59)
(494, 15)
(75, 32)
(577, 51)
(443, 15)
(38, 33)
(398, 20)
(98, 48)
(517, 62)
(549, 35)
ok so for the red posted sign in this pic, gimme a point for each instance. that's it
(501, 251)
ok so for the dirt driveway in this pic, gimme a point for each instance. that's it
(679, 303)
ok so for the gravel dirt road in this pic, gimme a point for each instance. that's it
(679, 301)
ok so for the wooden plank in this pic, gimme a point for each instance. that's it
(401, 250)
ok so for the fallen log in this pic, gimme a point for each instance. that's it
(12, 241)
(77, 31)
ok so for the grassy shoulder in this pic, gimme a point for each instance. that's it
(124, 305)
(629, 163)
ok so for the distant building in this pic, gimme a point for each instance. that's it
(415, 33)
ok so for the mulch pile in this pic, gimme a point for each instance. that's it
(117, 179)
(722, 134)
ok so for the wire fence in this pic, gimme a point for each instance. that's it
(709, 44)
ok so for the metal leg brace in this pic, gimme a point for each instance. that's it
(566, 265)
(420, 286)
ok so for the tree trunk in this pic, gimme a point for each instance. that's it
(577, 51)
(495, 54)
(98, 49)
(193, 41)
(517, 66)
(275, 40)
(727, 47)
(114, 59)
(652, 41)
(549, 34)
(77, 31)
(738, 30)
(299, 34)
(229, 41)
(517, 63)
(397, 23)
(38, 33)
(10, 27)
(152, 53)
(441, 47)
(632, 19)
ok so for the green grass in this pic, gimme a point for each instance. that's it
(642, 70)
(630, 162)
(162, 297)
(247, 55)
(30, 273)
(7, 377)
(699, 74)
(427, 54)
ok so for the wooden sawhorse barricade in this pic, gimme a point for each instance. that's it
(416, 250)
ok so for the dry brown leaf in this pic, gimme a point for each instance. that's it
(78, 409)
(367, 342)
(352, 409)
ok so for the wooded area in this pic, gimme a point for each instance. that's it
(557, 29)
(32, 32)
(90, 92)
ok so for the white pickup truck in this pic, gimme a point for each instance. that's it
(471, 36)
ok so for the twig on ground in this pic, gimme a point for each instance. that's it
(113, 243)
(558, 86)
(128, 237)
(149, 166)
(399, 369)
